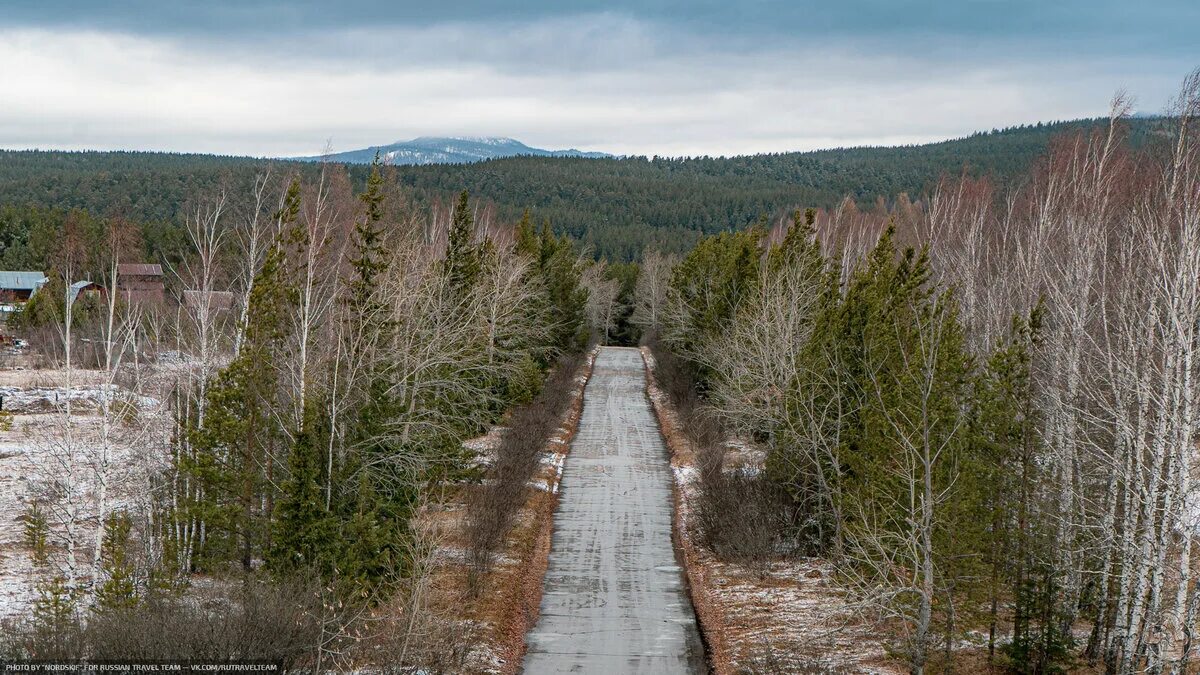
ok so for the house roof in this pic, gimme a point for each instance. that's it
(77, 287)
(21, 280)
(139, 269)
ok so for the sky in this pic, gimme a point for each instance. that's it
(648, 77)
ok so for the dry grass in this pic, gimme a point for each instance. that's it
(493, 611)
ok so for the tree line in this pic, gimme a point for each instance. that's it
(618, 207)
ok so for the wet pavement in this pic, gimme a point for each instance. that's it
(614, 598)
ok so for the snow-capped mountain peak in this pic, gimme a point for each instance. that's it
(449, 150)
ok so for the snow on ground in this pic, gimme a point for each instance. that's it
(793, 616)
(30, 460)
(487, 442)
(47, 399)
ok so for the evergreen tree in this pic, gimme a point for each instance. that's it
(118, 592)
(236, 445)
(566, 299)
(37, 532)
(373, 542)
(55, 616)
(463, 258)
(528, 242)
(303, 530)
(369, 259)
(709, 285)
(1019, 553)
(369, 509)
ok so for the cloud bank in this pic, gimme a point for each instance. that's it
(277, 79)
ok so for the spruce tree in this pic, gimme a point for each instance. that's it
(368, 509)
(463, 259)
(710, 283)
(235, 447)
(566, 298)
(118, 592)
(303, 530)
(528, 243)
(369, 260)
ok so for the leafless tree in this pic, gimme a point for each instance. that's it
(253, 238)
(603, 296)
(650, 293)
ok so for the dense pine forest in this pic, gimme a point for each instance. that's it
(617, 207)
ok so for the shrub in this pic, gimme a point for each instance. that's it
(491, 508)
(739, 516)
(742, 517)
(252, 619)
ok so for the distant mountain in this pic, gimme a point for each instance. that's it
(448, 150)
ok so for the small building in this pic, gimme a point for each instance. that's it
(218, 301)
(140, 283)
(16, 288)
(87, 289)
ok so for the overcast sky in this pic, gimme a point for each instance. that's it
(718, 77)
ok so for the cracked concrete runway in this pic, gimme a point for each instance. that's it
(614, 599)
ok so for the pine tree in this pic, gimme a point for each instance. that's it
(119, 591)
(55, 616)
(373, 542)
(709, 285)
(528, 243)
(236, 445)
(37, 531)
(1019, 547)
(303, 530)
(566, 298)
(889, 356)
(463, 258)
(369, 260)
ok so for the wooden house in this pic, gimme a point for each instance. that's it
(140, 283)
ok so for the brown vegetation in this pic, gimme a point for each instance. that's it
(487, 600)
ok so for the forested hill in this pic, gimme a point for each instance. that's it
(617, 205)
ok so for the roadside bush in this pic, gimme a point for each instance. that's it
(743, 517)
(494, 505)
(253, 620)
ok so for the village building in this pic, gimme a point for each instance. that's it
(140, 283)
(86, 289)
(17, 287)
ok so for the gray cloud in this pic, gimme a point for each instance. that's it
(277, 78)
(1163, 25)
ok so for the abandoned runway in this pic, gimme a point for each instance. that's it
(614, 599)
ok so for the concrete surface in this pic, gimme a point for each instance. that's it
(614, 599)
